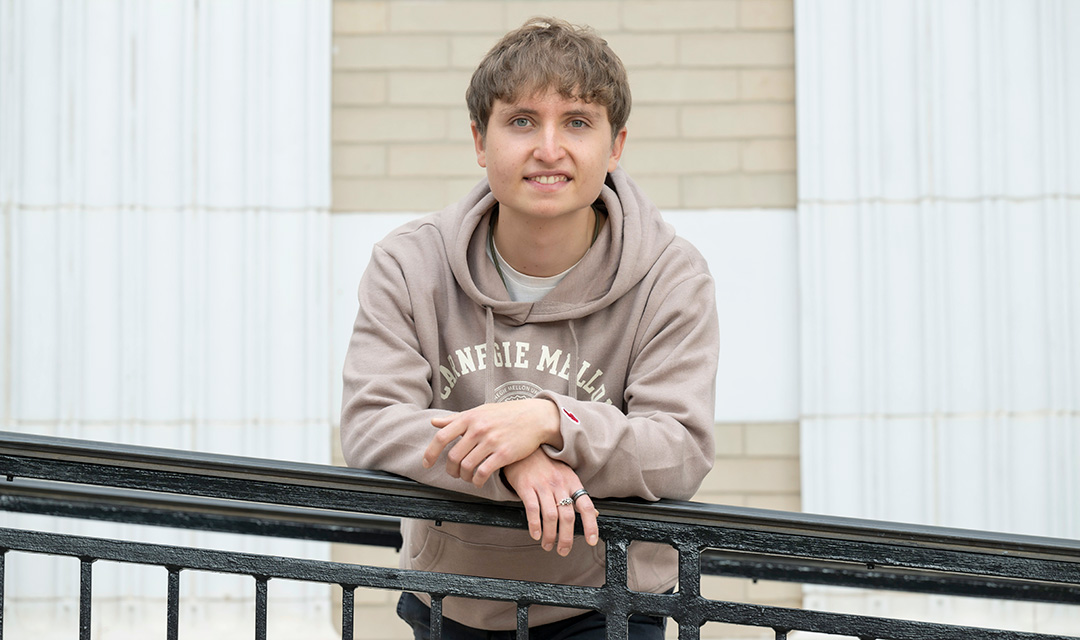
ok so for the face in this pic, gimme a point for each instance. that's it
(547, 156)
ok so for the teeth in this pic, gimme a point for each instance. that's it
(548, 179)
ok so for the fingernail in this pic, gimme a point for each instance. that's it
(564, 552)
(547, 547)
(592, 540)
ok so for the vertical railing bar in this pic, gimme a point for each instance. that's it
(781, 634)
(616, 586)
(522, 621)
(436, 617)
(172, 613)
(86, 576)
(690, 589)
(3, 554)
(348, 607)
(260, 607)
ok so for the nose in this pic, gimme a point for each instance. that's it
(549, 145)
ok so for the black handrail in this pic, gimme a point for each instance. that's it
(127, 483)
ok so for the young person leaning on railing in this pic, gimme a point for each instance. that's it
(546, 338)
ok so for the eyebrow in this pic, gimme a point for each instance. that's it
(532, 112)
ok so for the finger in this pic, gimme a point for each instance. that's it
(567, 515)
(532, 513)
(585, 507)
(549, 516)
(471, 462)
(442, 438)
(485, 469)
(441, 421)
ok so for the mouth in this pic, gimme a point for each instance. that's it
(548, 179)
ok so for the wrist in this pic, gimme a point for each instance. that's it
(553, 425)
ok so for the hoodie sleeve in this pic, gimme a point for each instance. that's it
(662, 447)
(386, 399)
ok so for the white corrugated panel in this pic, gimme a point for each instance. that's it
(164, 183)
(939, 213)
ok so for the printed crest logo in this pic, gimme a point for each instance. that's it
(516, 390)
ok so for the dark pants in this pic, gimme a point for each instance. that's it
(588, 626)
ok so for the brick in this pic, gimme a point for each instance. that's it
(738, 50)
(680, 157)
(730, 499)
(740, 191)
(724, 588)
(359, 88)
(601, 15)
(458, 125)
(358, 160)
(428, 87)
(730, 440)
(443, 160)
(771, 592)
(767, 14)
(662, 190)
(463, 16)
(391, 52)
(359, 124)
(650, 122)
(739, 120)
(679, 15)
(467, 51)
(645, 50)
(389, 194)
(359, 17)
(776, 501)
(770, 440)
(769, 156)
(752, 476)
(456, 188)
(767, 84)
(668, 86)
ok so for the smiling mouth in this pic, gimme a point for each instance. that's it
(548, 179)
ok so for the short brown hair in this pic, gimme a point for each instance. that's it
(548, 53)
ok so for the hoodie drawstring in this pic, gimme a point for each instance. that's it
(575, 366)
(489, 370)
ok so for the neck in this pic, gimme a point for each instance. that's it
(547, 247)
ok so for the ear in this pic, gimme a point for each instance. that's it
(478, 141)
(616, 150)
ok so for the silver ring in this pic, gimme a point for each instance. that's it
(565, 502)
(577, 494)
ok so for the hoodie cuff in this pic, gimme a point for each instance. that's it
(569, 427)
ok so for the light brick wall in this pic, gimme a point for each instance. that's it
(713, 123)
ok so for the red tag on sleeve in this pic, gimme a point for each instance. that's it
(571, 416)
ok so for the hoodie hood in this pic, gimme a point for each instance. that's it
(629, 244)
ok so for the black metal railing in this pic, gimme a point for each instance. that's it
(123, 483)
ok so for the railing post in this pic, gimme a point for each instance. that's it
(436, 616)
(689, 589)
(522, 622)
(348, 609)
(615, 574)
(172, 631)
(260, 607)
(85, 596)
(3, 554)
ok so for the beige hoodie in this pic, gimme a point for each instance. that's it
(626, 345)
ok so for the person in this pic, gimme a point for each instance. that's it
(545, 339)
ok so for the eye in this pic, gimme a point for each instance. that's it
(578, 124)
(521, 122)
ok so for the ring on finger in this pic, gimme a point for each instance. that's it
(565, 502)
(577, 494)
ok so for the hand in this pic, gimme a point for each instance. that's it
(492, 436)
(541, 483)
